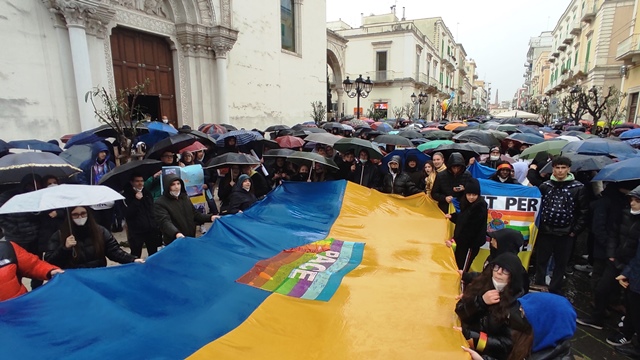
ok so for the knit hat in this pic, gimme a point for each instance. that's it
(508, 241)
(504, 165)
(495, 148)
(411, 158)
(472, 187)
(243, 177)
(396, 159)
(511, 263)
(551, 317)
(635, 192)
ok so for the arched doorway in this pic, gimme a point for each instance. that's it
(334, 86)
(138, 56)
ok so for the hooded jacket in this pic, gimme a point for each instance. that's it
(22, 228)
(240, 199)
(366, 174)
(606, 215)
(553, 321)
(176, 215)
(471, 221)
(16, 263)
(139, 213)
(92, 171)
(564, 206)
(623, 239)
(399, 183)
(446, 181)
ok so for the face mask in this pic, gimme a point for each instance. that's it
(138, 190)
(166, 121)
(304, 173)
(52, 185)
(364, 161)
(175, 193)
(494, 157)
(499, 285)
(80, 221)
(635, 212)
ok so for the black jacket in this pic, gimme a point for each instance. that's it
(491, 163)
(139, 213)
(365, 174)
(623, 239)
(259, 184)
(21, 228)
(176, 215)
(446, 181)
(240, 199)
(87, 254)
(564, 207)
(510, 180)
(417, 177)
(225, 188)
(401, 184)
(471, 224)
(48, 226)
(535, 178)
(606, 215)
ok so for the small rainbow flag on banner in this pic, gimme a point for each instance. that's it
(312, 271)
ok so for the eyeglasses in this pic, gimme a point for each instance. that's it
(79, 215)
(504, 271)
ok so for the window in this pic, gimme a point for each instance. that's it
(586, 58)
(381, 65)
(287, 25)
(442, 49)
(417, 67)
(575, 60)
(633, 106)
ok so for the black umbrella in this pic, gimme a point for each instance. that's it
(299, 157)
(332, 125)
(581, 162)
(276, 153)
(481, 137)
(513, 121)
(230, 159)
(172, 144)
(468, 150)
(33, 144)
(120, 176)
(410, 134)
(14, 167)
(357, 144)
(437, 135)
(396, 140)
(77, 154)
(277, 128)
(203, 138)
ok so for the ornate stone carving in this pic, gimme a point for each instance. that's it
(206, 12)
(225, 12)
(150, 7)
(144, 22)
(75, 12)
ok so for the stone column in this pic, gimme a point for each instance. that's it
(76, 15)
(221, 51)
(340, 92)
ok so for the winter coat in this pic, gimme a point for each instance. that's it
(564, 207)
(225, 188)
(240, 200)
(177, 215)
(21, 228)
(139, 213)
(509, 180)
(471, 225)
(623, 239)
(535, 178)
(606, 215)
(365, 174)
(16, 262)
(416, 177)
(259, 184)
(491, 163)
(86, 252)
(401, 184)
(446, 181)
(632, 272)
(48, 226)
(88, 175)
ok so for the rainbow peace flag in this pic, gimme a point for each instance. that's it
(187, 301)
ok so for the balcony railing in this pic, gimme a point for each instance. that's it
(562, 47)
(589, 12)
(568, 39)
(628, 49)
(576, 29)
(384, 75)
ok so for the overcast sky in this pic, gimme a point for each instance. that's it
(495, 33)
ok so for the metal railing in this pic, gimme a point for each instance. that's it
(383, 75)
(627, 47)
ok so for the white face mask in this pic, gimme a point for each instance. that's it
(634, 212)
(52, 185)
(175, 193)
(494, 157)
(138, 190)
(80, 221)
(498, 285)
(363, 161)
(166, 121)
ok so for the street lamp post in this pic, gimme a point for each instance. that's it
(361, 90)
(418, 100)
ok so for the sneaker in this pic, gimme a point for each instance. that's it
(584, 268)
(629, 350)
(588, 321)
(618, 340)
(621, 323)
(586, 257)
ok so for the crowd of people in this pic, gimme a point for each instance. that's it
(500, 317)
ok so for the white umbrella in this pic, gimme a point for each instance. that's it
(569, 138)
(516, 114)
(62, 196)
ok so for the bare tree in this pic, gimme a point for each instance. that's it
(571, 104)
(373, 113)
(614, 110)
(398, 112)
(318, 111)
(121, 113)
(408, 110)
(596, 102)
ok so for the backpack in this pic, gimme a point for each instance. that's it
(558, 205)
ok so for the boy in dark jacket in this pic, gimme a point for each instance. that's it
(242, 196)
(563, 216)
(397, 181)
(449, 184)
(175, 214)
(141, 226)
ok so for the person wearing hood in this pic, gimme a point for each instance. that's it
(563, 216)
(471, 224)
(227, 183)
(494, 158)
(412, 169)
(541, 329)
(487, 304)
(397, 181)
(242, 196)
(82, 243)
(520, 169)
(449, 184)
(438, 162)
(259, 183)
(97, 166)
(230, 145)
(175, 214)
(138, 211)
(533, 174)
(364, 172)
(503, 174)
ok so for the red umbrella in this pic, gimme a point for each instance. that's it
(212, 129)
(289, 142)
(196, 146)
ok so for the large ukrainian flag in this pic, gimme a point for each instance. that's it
(185, 301)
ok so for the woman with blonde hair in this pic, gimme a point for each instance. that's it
(428, 177)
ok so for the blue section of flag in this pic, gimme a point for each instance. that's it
(480, 171)
(182, 298)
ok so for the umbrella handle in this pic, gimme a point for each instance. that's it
(313, 166)
(74, 253)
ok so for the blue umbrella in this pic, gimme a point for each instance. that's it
(630, 134)
(153, 137)
(530, 139)
(597, 146)
(528, 130)
(160, 126)
(243, 137)
(35, 145)
(403, 153)
(384, 127)
(625, 170)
